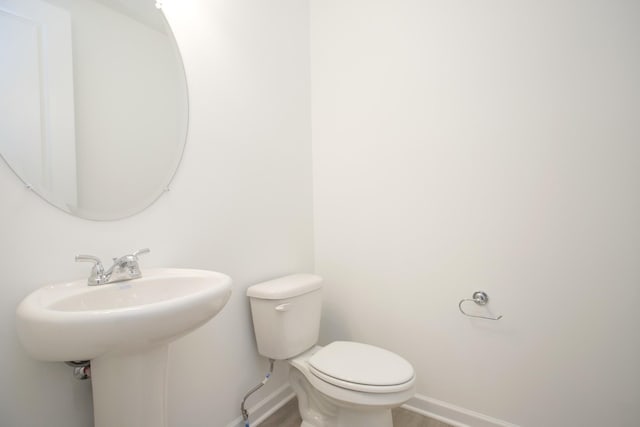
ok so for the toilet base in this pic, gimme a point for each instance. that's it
(319, 410)
(348, 422)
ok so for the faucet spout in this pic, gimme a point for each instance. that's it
(125, 267)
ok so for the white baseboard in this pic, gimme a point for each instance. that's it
(452, 414)
(423, 405)
(267, 406)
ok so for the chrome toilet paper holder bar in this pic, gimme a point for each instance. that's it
(480, 298)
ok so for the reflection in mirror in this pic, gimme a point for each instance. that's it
(93, 112)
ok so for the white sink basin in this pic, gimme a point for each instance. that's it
(74, 321)
(124, 328)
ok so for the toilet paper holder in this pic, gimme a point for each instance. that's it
(480, 298)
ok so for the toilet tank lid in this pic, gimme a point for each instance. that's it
(285, 287)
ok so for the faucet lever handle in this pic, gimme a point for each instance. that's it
(90, 258)
(97, 272)
(141, 252)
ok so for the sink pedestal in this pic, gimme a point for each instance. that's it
(130, 389)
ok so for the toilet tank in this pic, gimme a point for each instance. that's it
(286, 314)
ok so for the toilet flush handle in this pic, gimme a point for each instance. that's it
(283, 307)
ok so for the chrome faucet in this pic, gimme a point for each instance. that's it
(125, 267)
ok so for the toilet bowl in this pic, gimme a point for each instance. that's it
(347, 384)
(344, 384)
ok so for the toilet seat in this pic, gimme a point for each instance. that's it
(362, 367)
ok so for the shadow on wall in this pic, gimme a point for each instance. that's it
(334, 326)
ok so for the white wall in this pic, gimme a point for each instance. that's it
(240, 204)
(491, 145)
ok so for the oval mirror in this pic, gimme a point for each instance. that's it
(94, 109)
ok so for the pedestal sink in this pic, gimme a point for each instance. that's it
(124, 328)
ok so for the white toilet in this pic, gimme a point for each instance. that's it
(344, 384)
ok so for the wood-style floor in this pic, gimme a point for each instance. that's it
(288, 416)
